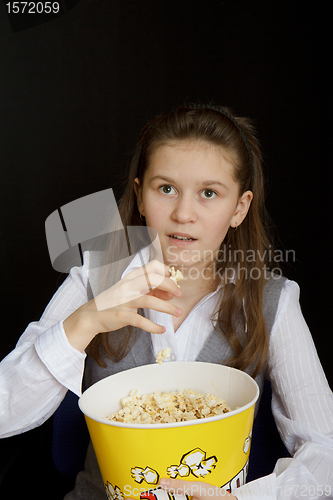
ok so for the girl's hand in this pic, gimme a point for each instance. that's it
(148, 287)
(195, 489)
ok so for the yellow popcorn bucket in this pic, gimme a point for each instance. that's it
(133, 457)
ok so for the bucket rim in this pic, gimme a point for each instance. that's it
(104, 420)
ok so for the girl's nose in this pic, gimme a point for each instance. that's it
(184, 211)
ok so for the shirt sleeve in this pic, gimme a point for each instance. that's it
(302, 406)
(36, 375)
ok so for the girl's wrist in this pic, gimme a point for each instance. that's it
(78, 331)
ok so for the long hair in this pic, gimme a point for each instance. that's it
(243, 261)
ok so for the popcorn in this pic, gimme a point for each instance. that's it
(162, 355)
(176, 275)
(168, 407)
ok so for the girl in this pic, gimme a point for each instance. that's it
(196, 181)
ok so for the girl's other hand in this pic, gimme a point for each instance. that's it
(148, 287)
(195, 489)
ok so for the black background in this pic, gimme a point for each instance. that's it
(76, 91)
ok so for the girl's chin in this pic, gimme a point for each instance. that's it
(184, 263)
(181, 264)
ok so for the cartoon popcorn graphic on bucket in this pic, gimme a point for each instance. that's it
(194, 462)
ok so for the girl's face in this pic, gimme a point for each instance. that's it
(189, 196)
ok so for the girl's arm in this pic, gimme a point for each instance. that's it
(49, 357)
(303, 410)
(35, 376)
(302, 405)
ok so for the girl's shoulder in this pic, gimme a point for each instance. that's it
(274, 285)
(279, 294)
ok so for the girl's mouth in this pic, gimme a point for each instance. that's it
(181, 239)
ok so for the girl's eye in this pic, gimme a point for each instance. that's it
(208, 194)
(166, 189)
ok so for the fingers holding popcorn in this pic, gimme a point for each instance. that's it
(148, 287)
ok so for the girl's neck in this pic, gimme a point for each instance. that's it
(198, 281)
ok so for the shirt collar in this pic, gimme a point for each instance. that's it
(140, 259)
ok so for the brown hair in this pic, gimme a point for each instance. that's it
(240, 312)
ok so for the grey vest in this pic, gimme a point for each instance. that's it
(89, 482)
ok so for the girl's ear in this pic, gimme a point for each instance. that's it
(138, 192)
(242, 209)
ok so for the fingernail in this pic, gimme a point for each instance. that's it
(178, 311)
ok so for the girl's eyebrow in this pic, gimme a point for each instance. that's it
(201, 183)
(214, 182)
(162, 178)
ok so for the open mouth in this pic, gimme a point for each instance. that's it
(183, 238)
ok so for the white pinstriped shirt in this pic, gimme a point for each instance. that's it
(35, 376)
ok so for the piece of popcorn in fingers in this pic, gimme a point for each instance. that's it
(176, 275)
